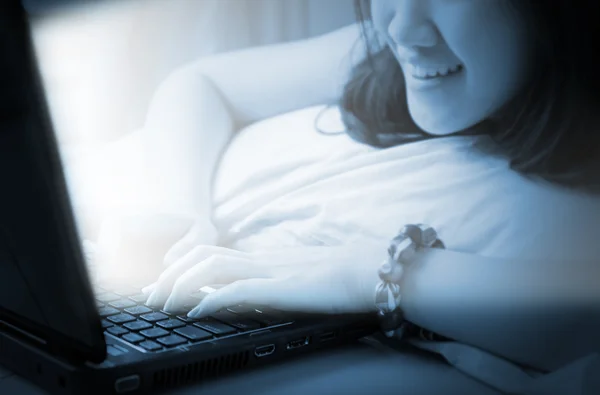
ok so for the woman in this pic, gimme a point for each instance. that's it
(486, 111)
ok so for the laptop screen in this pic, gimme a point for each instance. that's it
(95, 68)
(45, 294)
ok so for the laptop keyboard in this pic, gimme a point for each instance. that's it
(125, 315)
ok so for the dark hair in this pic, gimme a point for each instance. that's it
(551, 129)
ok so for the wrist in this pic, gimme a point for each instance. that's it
(394, 274)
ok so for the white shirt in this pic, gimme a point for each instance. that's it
(283, 184)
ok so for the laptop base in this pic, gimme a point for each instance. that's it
(127, 371)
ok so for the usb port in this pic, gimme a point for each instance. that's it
(263, 351)
(298, 343)
(327, 336)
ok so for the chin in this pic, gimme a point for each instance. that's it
(437, 128)
(443, 125)
(444, 122)
(440, 125)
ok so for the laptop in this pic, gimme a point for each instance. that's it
(69, 336)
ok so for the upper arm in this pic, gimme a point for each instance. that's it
(261, 82)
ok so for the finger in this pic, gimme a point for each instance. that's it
(260, 291)
(217, 269)
(199, 233)
(180, 249)
(149, 289)
(167, 279)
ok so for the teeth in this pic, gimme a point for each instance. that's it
(421, 72)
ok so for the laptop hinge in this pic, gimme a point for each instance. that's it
(36, 341)
(18, 331)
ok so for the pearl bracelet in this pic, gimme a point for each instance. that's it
(401, 252)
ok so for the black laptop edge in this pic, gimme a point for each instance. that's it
(26, 100)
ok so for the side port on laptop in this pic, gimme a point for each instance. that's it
(297, 343)
(263, 351)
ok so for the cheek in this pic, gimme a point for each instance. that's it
(489, 82)
(497, 63)
(497, 76)
(493, 48)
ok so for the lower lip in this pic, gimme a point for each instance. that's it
(416, 83)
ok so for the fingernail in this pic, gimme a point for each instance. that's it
(152, 299)
(196, 312)
(170, 305)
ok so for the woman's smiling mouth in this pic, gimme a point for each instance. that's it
(428, 73)
(425, 78)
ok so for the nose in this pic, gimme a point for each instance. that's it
(411, 27)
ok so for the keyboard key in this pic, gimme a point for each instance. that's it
(187, 319)
(179, 310)
(215, 327)
(99, 290)
(241, 323)
(267, 319)
(117, 331)
(153, 317)
(107, 297)
(171, 340)
(150, 345)
(122, 304)
(99, 304)
(171, 313)
(268, 310)
(133, 338)
(106, 311)
(189, 307)
(193, 333)
(242, 309)
(107, 324)
(137, 325)
(139, 298)
(170, 324)
(153, 333)
(125, 290)
(138, 310)
(121, 318)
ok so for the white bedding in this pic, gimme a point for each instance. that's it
(282, 184)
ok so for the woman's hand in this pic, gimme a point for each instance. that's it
(133, 247)
(202, 232)
(339, 279)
